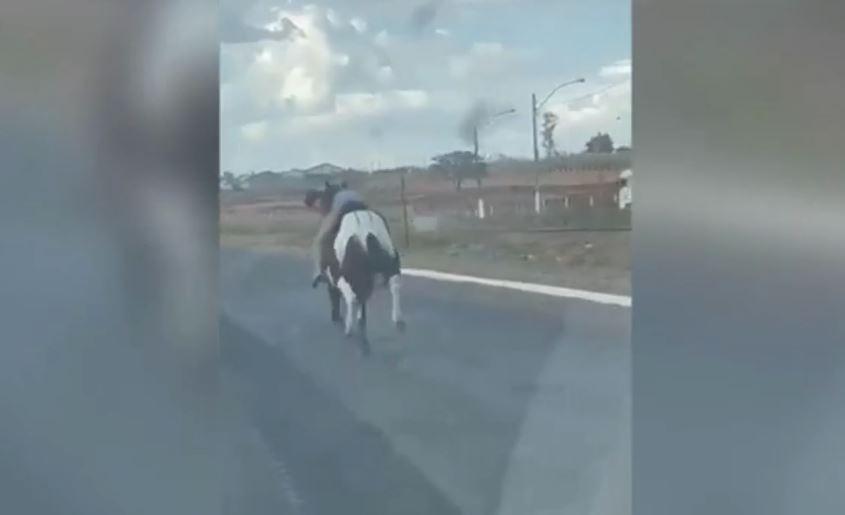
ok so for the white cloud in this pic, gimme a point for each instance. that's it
(299, 85)
(385, 74)
(285, 75)
(483, 60)
(619, 69)
(333, 18)
(305, 78)
(413, 98)
(359, 24)
(352, 108)
(356, 79)
(254, 132)
(372, 104)
(459, 67)
(606, 111)
(382, 39)
(487, 49)
(264, 57)
(342, 59)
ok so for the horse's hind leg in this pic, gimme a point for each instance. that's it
(351, 305)
(334, 299)
(362, 329)
(395, 284)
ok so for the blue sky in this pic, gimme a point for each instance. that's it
(382, 83)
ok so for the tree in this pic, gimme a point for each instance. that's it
(549, 123)
(232, 181)
(458, 166)
(600, 144)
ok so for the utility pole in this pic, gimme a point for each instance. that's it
(536, 153)
(475, 171)
(405, 211)
(534, 125)
(534, 108)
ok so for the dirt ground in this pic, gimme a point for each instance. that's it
(592, 260)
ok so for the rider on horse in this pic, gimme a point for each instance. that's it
(334, 202)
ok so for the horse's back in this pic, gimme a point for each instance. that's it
(364, 227)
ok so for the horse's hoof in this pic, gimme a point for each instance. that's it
(401, 326)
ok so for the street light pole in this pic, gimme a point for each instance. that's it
(534, 125)
(490, 120)
(536, 107)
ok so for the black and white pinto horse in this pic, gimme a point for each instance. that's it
(362, 252)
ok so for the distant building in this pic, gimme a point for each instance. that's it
(293, 174)
(264, 181)
(295, 180)
(324, 169)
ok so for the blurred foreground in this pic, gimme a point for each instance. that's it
(108, 362)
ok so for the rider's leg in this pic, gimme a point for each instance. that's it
(321, 247)
(317, 249)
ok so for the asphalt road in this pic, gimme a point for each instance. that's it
(492, 402)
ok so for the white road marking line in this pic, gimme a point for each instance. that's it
(542, 289)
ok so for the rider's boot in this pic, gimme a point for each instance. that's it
(319, 277)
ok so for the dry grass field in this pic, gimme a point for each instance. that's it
(497, 247)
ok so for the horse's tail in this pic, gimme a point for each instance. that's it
(382, 261)
(358, 269)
